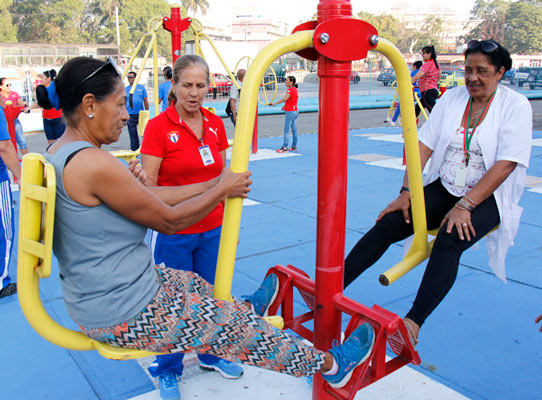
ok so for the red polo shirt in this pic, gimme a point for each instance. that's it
(170, 139)
(291, 103)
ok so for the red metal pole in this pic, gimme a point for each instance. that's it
(176, 26)
(334, 91)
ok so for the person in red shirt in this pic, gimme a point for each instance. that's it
(53, 123)
(428, 77)
(11, 97)
(183, 145)
(292, 112)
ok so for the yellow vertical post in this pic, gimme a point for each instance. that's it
(155, 76)
(418, 250)
(241, 151)
(134, 54)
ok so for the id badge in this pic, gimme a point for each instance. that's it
(206, 155)
(460, 176)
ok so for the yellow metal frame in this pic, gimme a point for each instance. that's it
(393, 106)
(419, 249)
(419, 102)
(126, 155)
(153, 26)
(36, 224)
(273, 81)
(241, 151)
(197, 29)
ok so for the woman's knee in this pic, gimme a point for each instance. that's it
(448, 243)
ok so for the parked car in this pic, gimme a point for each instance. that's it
(223, 84)
(354, 77)
(535, 78)
(451, 79)
(521, 76)
(387, 76)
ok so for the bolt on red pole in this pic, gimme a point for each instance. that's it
(333, 98)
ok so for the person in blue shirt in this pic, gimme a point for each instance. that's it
(415, 68)
(8, 160)
(139, 101)
(164, 88)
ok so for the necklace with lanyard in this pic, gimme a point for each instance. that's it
(466, 137)
(204, 149)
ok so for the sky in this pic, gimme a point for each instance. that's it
(293, 11)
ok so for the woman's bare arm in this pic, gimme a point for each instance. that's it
(93, 177)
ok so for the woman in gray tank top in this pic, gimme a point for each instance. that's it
(110, 286)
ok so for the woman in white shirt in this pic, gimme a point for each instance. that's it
(473, 184)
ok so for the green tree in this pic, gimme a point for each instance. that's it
(134, 20)
(522, 31)
(57, 21)
(386, 25)
(8, 32)
(489, 20)
(194, 5)
(430, 34)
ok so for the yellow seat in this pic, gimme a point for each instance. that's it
(126, 155)
(36, 223)
(144, 116)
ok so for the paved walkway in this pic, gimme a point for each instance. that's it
(481, 343)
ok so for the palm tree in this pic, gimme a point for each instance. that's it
(107, 7)
(193, 5)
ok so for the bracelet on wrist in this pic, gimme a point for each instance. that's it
(469, 200)
(462, 203)
(404, 189)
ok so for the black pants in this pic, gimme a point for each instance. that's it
(132, 131)
(441, 270)
(428, 100)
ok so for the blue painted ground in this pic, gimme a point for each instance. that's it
(481, 341)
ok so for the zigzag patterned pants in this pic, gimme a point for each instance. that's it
(184, 317)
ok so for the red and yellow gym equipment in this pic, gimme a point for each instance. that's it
(334, 40)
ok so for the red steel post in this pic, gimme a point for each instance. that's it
(176, 26)
(334, 91)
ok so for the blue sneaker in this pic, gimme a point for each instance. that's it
(353, 352)
(169, 390)
(227, 369)
(266, 294)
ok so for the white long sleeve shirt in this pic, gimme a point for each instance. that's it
(504, 134)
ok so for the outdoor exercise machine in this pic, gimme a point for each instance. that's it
(176, 26)
(395, 103)
(334, 40)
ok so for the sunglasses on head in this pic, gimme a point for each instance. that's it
(110, 63)
(487, 46)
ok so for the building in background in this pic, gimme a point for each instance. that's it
(454, 25)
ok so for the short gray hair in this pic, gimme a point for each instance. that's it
(187, 61)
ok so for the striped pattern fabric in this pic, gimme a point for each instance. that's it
(184, 317)
(6, 231)
(430, 79)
